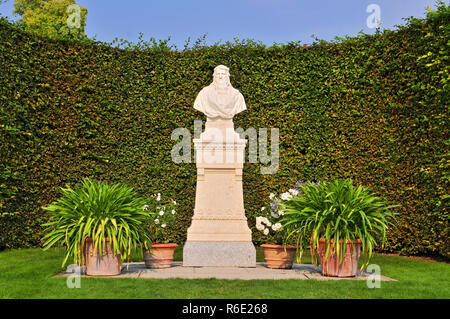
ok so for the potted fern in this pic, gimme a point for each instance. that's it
(341, 222)
(100, 225)
(159, 251)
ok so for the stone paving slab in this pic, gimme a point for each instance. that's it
(298, 271)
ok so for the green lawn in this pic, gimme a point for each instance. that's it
(27, 273)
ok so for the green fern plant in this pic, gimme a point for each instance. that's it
(98, 211)
(338, 212)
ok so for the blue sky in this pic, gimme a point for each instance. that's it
(269, 21)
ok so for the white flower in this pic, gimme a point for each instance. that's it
(272, 195)
(159, 197)
(294, 192)
(173, 211)
(280, 212)
(163, 225)
(157, 221)
(145, 207)
(259, 221)
(274, 215)
(262, 208)
(286, 196)
(276, 227)
(161, 213)
(174, 202)
(267, 222)
(266, 231)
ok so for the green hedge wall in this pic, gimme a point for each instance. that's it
(371, 108)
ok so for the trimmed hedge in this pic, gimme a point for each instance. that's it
(371, 108)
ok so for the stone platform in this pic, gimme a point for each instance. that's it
(299, 271)
(219, 254)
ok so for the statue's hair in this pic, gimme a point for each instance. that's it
(222, 67)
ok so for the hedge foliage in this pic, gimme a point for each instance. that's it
(371, 108)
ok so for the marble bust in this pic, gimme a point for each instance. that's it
(220, 100)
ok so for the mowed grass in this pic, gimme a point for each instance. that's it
(28, 273)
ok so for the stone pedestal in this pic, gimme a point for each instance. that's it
(219, 234)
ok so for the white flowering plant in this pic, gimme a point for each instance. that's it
(268, 220)
(163, 217)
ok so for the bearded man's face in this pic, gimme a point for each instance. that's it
(221, 78)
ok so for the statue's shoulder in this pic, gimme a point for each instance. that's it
(237, 92)
(233, 89)
(201, 93)
(205, 89)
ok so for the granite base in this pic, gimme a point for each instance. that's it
(219, 254)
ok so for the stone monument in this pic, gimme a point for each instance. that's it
(219, 234)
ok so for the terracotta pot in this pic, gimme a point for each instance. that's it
(277, 257)
(107, 264)
(331, 266)
(159, 255)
